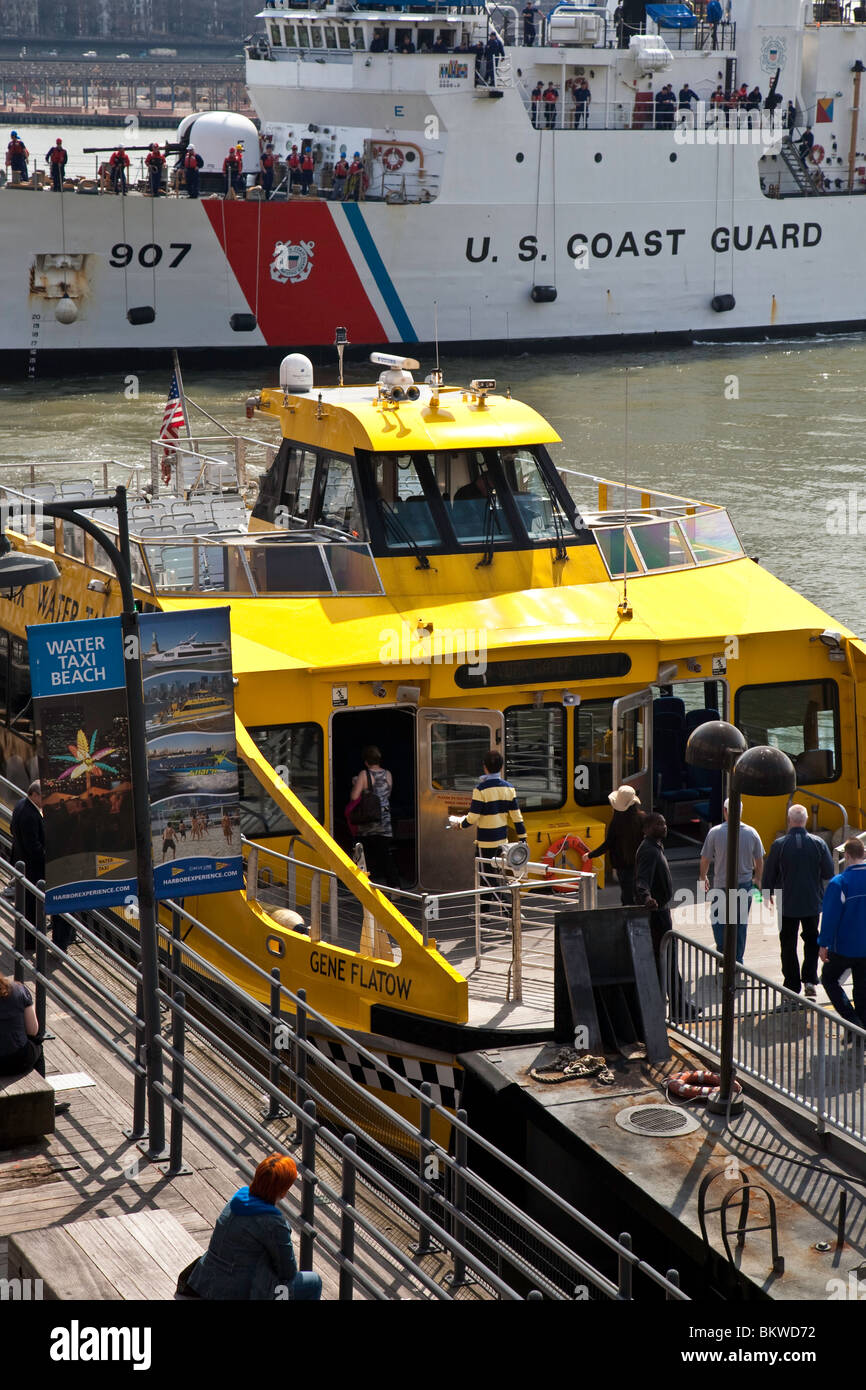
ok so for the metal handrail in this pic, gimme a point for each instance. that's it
(787, 1076)
(416, 1211)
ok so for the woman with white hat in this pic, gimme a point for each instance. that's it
(624, 834)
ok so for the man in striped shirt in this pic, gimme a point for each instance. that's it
(494, 806)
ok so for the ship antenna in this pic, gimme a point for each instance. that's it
(624, 610)
(341, 338)
(436, 333)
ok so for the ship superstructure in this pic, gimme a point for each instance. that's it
(604, 209)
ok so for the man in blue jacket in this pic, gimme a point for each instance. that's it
(799, 864)
(842, 943)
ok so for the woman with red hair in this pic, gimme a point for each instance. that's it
(250, 1255)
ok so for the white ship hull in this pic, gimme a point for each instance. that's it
(624, 234)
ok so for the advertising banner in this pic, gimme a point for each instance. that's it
(192, 761)
(79, 698)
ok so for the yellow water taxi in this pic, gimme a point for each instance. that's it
(415, 572)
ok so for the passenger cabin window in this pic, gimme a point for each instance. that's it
(343, 36)
(358, 40)
(20, 707)
(330, 36)
(593, 750)
(297, 497)
(456, 753)
(295, 751)
(801, 718)
(535, 755)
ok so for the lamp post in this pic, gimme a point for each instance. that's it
(760, 771)
(120, 559)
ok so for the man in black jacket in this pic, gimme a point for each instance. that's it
(654, 889)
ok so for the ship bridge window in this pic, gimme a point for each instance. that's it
(316, 36)
(540, 510)
(344, 36)
(303, 36)
(291, 39)
(298, 490)
(475, 508)
(276, 36)
(801, 718)
(358, 40)
(404, 509)
(295, 752)
(535, 755)
(330, 36)
(339, 505)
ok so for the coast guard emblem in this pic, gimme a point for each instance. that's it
(292, 264)
(773, 54)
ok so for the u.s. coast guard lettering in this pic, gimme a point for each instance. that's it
(670, 241)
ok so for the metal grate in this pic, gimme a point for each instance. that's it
(665, 1120)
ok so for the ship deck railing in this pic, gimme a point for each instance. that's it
(370, 1178)
(497, 933)
(804, 1053)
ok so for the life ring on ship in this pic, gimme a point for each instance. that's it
(393, 159)
(697, 1085)
(816, 154)
(563, 845)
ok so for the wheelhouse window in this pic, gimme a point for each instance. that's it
(339, 506)
(454, 499)
(295, 752)
(276, 36)
(801, 718)
(535, 755)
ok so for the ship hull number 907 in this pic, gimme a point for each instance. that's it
(149, 255)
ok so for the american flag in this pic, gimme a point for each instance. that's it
(172, 417)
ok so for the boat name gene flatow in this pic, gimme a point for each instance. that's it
(359, 973)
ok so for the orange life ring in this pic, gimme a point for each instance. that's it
(816, 154)
(393, 159)
(562, 845)
(697, 1085)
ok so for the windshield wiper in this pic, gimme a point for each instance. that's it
(401, 534)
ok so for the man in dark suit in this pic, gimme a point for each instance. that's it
(654, 889)
(28, 846)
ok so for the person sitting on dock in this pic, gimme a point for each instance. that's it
(56, 159)
(842, 940)
(17, 155)
(118, 164)
(20, 1050)
(250, 1255)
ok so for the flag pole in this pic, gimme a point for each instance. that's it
(182, 394)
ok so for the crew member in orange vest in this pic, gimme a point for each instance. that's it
(550, 98)
(230, 169)
(294, 162)
(356, 175)
(192, 162)
(155, 162)
(17, 155)
(268, 162)
(118, 165)
(341, 173)
(307, 167)
(56, 160)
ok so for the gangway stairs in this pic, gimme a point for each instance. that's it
(799, 172)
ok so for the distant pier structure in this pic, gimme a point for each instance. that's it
(77, 92)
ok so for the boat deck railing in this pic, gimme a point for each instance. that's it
(652, 532)
(805, 1053)
(207, 464)
(500, 922)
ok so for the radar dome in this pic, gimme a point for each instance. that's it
(296, 373)
(215, 132)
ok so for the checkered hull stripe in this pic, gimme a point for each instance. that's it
(446, 1080)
